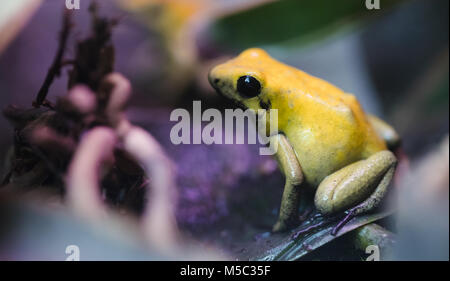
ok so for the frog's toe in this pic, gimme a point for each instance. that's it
(350, 214)
(279, 227)
(282, 226)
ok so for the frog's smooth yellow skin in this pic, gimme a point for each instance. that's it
(321, 127)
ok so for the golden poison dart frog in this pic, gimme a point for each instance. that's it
(325, 140)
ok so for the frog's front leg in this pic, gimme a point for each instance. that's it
(290, 167)
(357, 188)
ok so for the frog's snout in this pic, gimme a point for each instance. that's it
(220, 79)
(215, 81)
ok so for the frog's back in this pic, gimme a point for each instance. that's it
(326, 126)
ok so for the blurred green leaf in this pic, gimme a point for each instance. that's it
(288, 19)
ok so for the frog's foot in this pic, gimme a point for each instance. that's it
(281, 226)
(318, 225)
(350, 214)
(308, 229)
(284, 225)
(357, 188)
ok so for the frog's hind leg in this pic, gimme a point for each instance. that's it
(356, 188)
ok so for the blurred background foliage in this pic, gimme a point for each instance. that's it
(290, 21)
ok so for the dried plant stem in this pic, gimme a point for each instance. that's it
(55, 69)
(95, 107)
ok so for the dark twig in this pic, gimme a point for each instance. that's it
(94, 57)
(55, 69)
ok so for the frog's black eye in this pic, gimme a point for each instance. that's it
(248, 86)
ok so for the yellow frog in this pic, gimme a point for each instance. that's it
(325, 140)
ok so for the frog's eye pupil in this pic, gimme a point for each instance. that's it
(248, 86)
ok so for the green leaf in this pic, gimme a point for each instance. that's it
(283, 247)
(281, 21)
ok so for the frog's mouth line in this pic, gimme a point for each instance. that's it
(237, 103)
(240, 105)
